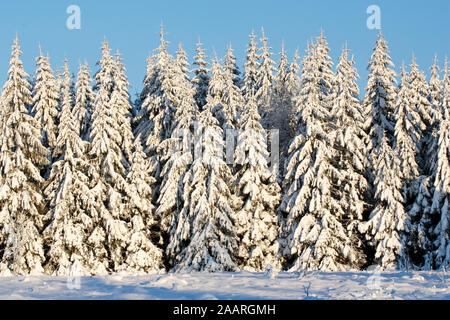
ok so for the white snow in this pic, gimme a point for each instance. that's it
(237, 285)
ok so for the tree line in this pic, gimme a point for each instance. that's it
(93, 183)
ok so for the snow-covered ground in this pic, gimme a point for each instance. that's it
(240, 285)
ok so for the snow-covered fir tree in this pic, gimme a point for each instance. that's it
(72, 206)
(265, 81)
(226, 97)
(407, 131)
(418, 98)
(201, 76)
(84, 99)
(109, 162)
(182, 60)
(251, 67)
(435, 91)
(379, 99)
(388, 224)
(441, 195)
(255, 184)
(350, 143)
(142, 255)
(285, 90)
(231, 66)
(158, 108)
(45, 101)
(22, 156)
(316, 236)
(205, 237)
(429, 145)
(120, 99)
(176, 154)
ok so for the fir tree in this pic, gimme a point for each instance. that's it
(231, 66)
(201, 77)
(441, 196)
(142, 255)
(45, 101)
(379, 100)
(316, 237)
(257, 224)
(264, 81)
(71, 202)
(251, 66)
(205, 238)
(285, 90)
(22, 156)
(388, 223)
(109, 161)
(350, 143)
(84, 99)
(182, 62)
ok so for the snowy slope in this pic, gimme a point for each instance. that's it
(240, 285)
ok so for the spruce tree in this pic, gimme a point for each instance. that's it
(45, 101)
(316, 236)
(72, 206)
(84, 99)
(231, 66)
(256, 223)
(379, 100)
(142, 255)
(201, 76)
(205, 238)
(181, 59)
(349, 141)
(441, 195)
(22, 156)
(388, 223)
(251, 66)
(109, 161)
(265, 81)
(285, 90)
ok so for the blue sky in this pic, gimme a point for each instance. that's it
(422, 27)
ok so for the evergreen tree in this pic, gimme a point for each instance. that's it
(22, 156)
(71, 202)
(350, 143)
(388, 223)
(109, 161)
(226, 98)
(418, 98)
(316, 237)
(142, 255)
(182, 62)
(285, 90)
(407, 131)
(45, 101)
(120, 99)
(441, 196)
(231, 66)
(251, 66)
(205, 239)
(435, 91)
(264, 81)
(177, 156)
(379, 100)
(257, 224)
(84, 99)
(201, 76)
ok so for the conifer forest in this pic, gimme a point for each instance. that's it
(284, 165)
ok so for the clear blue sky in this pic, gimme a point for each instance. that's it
(422, 27)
